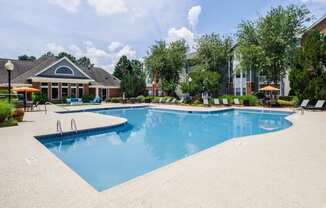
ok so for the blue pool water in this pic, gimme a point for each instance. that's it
(151, 139)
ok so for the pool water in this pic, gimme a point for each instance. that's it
(151, 139)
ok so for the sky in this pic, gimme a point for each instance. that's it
(104, 30)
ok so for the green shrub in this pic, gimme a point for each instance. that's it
(5, 110)
(87, 98)
(156, 99)
(116, 99)
(40, 97)
(286, 98)
(285, 103)
(251, 98)
(141, 99)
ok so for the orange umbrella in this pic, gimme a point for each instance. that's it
(26, 89)
(269, 88)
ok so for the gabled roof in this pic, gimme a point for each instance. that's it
(316, 24)
(24, 70)
(102, 77)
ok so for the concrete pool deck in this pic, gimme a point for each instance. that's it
(280, 169)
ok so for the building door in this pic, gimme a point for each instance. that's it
(104, 94)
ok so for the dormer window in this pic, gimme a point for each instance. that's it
(64, 70)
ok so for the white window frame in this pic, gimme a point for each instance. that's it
(64, 66)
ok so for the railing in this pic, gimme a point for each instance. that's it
(73, 125)
(59, 127)
(49, 103)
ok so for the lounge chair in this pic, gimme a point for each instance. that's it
(304, 103)
(181, 101)
(236, 101)
(319, 105)
(205, 101)
(225, 101)
(160, 100)
(217, 101)
(168, 100)
(173, 101)
(96, 100)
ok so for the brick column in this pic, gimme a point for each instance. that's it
(36, 85)
(86, 89)
(50, 91)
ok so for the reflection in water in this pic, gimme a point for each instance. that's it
(151, 139)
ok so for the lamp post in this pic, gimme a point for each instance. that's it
(9, 67)
(153, 86)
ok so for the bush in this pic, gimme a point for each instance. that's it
(40, 98)
(251, 98)
(286, 98)
(140, 99)
(156, 99)
(5, 111)
(88, 98)
(116, 99)
(285, 103)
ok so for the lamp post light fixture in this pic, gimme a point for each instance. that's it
(9, 67)
(189, 79)
(153, 86)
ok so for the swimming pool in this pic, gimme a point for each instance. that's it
(153, 138)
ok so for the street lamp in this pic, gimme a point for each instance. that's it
(153, 86)
(9, 67)
(189, 79)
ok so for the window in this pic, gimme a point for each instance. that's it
(55, 91)
(73, 90)
(64, 70)
(64, 90)
(80, 90)
(44, 88)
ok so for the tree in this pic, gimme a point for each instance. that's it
(165, 62)
(26, 58)
(308, 75)
(201, 81)
(267, 44)
(67, 55)
(122, 67)
(85, 62)
(132, 76)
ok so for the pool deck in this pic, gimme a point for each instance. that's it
(281, 169)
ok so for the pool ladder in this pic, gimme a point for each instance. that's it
(73, 126)
(59, 127)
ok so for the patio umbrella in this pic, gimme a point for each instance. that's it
(26, 90)
(269, 88)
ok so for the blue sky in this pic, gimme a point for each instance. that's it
(106, 29)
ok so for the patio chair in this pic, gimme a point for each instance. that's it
(168, 100)
(236, 101)
(160, 100)
(216, 101)
(96, 100)
(225, 101)
(304, 103)
(181, 101)
(205, 101)
(173, 101)
(319, 105)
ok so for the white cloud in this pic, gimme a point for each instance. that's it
(54, 48)
(314, 1)
(181, 33)
(114, 46)
(108, 7)
(69, 5)
(102, 58)
(193, 15)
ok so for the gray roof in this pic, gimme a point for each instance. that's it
(26, 69)
(102, 77)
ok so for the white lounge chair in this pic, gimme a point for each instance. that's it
(173, 101)
(304, 103)
(225, 101)
(181, 101)
(205, 101)
(216, 101)
(160, 100)
(236, 101)
(319, 105)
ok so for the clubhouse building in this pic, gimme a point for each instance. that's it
(60, 78)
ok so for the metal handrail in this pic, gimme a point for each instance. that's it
(73, 125)
(59, 127)
(66, 109)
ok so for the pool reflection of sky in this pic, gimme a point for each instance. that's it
(152, 139)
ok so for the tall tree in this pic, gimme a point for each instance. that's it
(165, 62)
(308, 75)
(85, 62)
(122, 67)
(267, 44)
